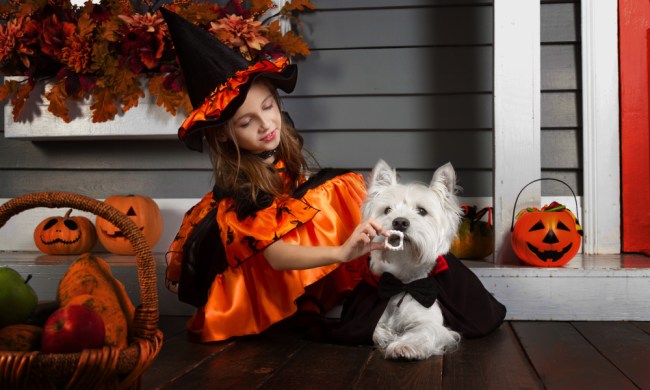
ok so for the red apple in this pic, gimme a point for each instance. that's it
(71, 329)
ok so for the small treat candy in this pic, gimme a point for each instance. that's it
(394, 242)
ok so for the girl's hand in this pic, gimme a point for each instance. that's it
(283, 256)
(361, 241)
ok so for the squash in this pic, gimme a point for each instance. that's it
(109, 309)
(20, 337)
(142, 210)
(549, 237)
(65, 235)
(90, 282)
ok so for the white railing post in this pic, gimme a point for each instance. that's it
(517, 158)
(600, 127)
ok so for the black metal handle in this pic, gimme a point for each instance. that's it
(512, 224)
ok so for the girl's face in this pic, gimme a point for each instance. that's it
(257, 122)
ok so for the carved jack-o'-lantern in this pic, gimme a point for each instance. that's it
(142, 210)
(547, 238)
(65, 235)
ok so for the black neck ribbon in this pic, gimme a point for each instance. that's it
(422, 290)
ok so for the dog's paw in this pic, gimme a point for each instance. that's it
(382, 337)
(405, 351)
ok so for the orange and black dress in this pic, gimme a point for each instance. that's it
(217, 259)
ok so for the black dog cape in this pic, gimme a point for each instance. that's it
(467, 307)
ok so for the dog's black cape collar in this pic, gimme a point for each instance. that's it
(422, 290)
(467, 307)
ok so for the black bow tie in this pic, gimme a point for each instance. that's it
(422, 290)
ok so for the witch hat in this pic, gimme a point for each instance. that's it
(216, 77)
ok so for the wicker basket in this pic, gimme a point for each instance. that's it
(108, 367)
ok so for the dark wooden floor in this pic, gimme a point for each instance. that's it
(519, 355)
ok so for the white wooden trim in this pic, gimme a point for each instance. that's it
(600, 107)
(517, 158)
(588, 288)
(16, 235)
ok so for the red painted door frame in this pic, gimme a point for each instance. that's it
(634, 46)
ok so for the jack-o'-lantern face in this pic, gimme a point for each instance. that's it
(142, 210)
(65, 235)
(547, 238)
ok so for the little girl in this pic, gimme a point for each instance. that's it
(270, 237)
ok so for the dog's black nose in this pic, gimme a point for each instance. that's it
(401, 224)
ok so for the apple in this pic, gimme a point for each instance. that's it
(17, 298)
(71, 329)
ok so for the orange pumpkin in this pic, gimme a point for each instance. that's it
(549, 237)
(65, 235)
(142, 210)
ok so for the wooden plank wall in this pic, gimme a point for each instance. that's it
(408, 81)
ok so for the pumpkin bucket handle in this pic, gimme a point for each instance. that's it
(512, 224)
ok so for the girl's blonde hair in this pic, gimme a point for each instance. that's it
(238, 171)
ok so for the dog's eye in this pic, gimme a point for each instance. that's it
(387, 210)
(421, 211)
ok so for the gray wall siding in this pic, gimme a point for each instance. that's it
(408, 81)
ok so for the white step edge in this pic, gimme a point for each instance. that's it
(589, 288)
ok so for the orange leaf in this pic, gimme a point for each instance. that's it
(18, 101)
(260, 6)
(131, 100)
(273, 32)
(126, 85)
(293, 44)
(171, 101)
(8, 89)
(107, 31)
(130, 89)
(101, 57)
(30, 6)
(85, 26)
(57, 97)
(103, 107)
(299, 5)
(198, 13)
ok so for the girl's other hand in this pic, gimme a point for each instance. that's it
(362, 240)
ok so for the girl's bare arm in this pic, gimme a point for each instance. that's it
(284, 256)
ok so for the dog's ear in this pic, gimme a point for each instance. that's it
(446, 176)
(381, 177)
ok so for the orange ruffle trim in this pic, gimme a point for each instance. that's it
(225, 93)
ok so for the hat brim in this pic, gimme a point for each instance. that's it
(192, 131)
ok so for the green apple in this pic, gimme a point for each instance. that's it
(17, 298)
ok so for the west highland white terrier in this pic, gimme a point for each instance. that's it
(424, 220)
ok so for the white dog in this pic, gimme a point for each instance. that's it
(425, 220)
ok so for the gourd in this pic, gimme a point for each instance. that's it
(475, 238)
(90, 282)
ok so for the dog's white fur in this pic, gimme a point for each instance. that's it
(410, 331)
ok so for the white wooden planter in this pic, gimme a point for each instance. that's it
(37, 123)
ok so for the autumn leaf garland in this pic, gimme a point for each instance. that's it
(101, 51)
